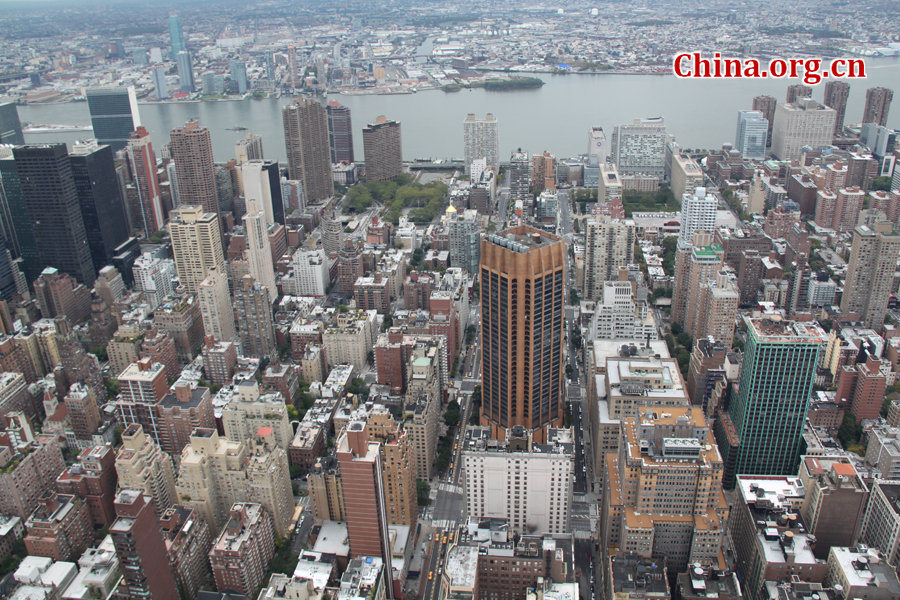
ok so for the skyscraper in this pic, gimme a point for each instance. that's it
(196, 244)
(340, 132)
(383, 149)
(48, 189)
(249, 148)
(114, 114)
(364, 495)
(142, 160)
(523, 290)
(185, 64)
(10, 125)
(259, 250)
(804, 123)
(20, 229)
(100, 197)
(193, 157)
(253, 304)
(262, 184)
(158, 77)
(769, 410)
(640, 148)
(307, 148)
(608, 247)
(146, 572)
(766, 105)
(238, 70)
(873, 259)
(481, 138)
(698, 211)
(797, 91)
(142, 465)
(598, 148)
(270, 66)
(215, 305)
(176, 36)
(750, 138)
(519, 176)
(878, 103)
(836, 95)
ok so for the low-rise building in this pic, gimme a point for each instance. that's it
(635, 577)
(861, 573)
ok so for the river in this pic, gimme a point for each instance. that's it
(556, 117)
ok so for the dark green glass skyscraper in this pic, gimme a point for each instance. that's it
(769, 409)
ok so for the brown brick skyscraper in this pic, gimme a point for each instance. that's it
(878, 103)
(522, 302)
(836, 95)
(383, 149)
(307, 147)
(193, 156)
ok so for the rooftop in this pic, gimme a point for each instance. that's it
(864, 567)
(632, 573)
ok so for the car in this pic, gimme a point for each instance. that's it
(444, 540)
(430, 575)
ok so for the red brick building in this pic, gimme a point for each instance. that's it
(240, 556)
(60, 528)
(219, 360)
(141, 550)
(862, 385)
(93, 479)
(188, 542)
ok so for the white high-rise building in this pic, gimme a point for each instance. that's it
(640, 148)
(752, 131)
(598, 148)
(311, 273)
(617, 316)
(531, 490)
(698, 212)
(481, 138)
(215, 305)
(803, 123)
(259, 250)
(153, 278)
(608, 247)
(256, 187)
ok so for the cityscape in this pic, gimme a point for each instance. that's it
(253, 349)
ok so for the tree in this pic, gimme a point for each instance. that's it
(881, 184)
(387, 323)
(296, 471)
(423, 492)
(100, 353)
(452, 414)
(293, 413)
(849, 432)
(574, 297)
(112, 387)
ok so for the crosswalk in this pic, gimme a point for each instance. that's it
(443, 524)
(449, 487)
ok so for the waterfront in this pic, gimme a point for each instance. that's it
(556, 117)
